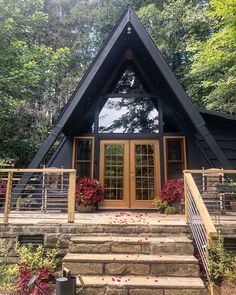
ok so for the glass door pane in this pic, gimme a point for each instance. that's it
(114, 173)
(145, 180)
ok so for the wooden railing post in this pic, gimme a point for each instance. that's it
(71, 197)
(8, 197)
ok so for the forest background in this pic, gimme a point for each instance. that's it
(46, 46)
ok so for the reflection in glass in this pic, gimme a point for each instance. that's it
(129, 83)
(83, 157)
(114, 171)
(175, 158)
(129, 115)
(174, 150)
(144, 171)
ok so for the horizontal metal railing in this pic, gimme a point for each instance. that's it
(217, 188)
(208, 197)
(46, 190)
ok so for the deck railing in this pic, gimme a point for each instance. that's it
(46, 190)
(209, 195)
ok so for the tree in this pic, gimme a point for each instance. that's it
(30, 77)
(172, 24)
(214, 62)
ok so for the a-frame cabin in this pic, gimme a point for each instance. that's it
(131, 125)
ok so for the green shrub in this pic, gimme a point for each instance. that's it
(160, 204)
(221, 265)
(171, 210)
(32, 260)
(8, 271)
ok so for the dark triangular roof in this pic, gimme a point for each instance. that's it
(130, 18)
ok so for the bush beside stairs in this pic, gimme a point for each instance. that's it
(141, 261)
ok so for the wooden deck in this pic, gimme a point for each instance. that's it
(108, 217)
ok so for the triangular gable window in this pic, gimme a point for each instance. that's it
(129, 83)
(129, 115)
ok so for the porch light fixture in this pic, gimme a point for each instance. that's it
(129, 30)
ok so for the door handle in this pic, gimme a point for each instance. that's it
(132, 175)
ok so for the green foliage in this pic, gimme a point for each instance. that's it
(160, 204)
(221, 265)
(164, 206)
(171, 209)
(46, 46)
(33, 258)
(37, 257)
(25, 202)
(214, 66)
(30, 75)
(8, 271)
(172, 24)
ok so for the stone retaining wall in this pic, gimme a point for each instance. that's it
(63, 232)
(54, 232)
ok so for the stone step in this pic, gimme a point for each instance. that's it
(177, 245)
(141, 285)
(132, 264)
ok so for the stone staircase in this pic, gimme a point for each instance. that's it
(113, 263)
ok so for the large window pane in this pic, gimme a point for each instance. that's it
(129, 115)
(129, 83)
(83, 156)
(175, 162)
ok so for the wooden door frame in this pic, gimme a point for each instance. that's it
(129, 164)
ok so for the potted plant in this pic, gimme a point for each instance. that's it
(229, 190)
(226, 186)
(25, 202)
(88, 193)
(171, 195)
(161, 206)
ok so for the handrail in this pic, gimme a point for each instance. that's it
(208, 223)
(40, 170)
(197, 215)
(210, 171)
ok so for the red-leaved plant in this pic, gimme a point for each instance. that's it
(88, 191)
(3, 189)
(25, 275)
(173, 191)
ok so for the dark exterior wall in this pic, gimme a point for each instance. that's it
(195, 157)
(64, 156)
(224, 131)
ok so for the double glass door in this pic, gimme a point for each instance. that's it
(129, 173)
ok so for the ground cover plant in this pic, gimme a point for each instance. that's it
(14, 277)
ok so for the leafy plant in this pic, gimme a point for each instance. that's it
(164, 207)
(8, 271)
(32, 261)
(160, 204)
(25, 202)
(88, 191)
(3, 189)
(221, 265)
(173, 191)
(36, 261)
(170, 209)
